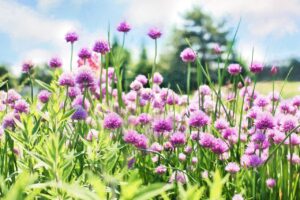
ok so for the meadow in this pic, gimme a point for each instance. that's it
(83, 137)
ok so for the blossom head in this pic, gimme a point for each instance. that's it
(219, 146)
(288, 123)
(274, 70)
(71, 37)
(55, 63)
(124, 27)
(154, 33)
(256, 67)
(27, 66)
(232, 167)
(21, 106)
(264, 120)
(157, 78)
(217, 49)
(270, 182)
(101, 47)
(79, 114)
(112, 121)
(162, 125)
(142, 79)
(206, 140)
(199, 119)
(234, 69)
(84, 53)
(66, 79)
(188, 55)
(161, 169)
(178, 138)
(85, 76)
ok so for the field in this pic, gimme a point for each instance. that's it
(290, 89)
(83, 137)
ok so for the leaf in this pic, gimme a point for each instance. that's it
(216, 187)
(44, 85)
(18, 189)
(152, 191)
(3, 83)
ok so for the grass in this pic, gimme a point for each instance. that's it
(290, 89)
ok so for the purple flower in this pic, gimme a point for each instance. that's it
(204, 90)
(124, 27)
(219, 146)
(136, 85)
(188, 55)
(144, 118)
(12, 96)
(157, 78)
(206, 140)
(274, 70)
(154, 33)
(156, 147)
(162, 125)
(198, 119)
(234, 69)
(130, 136)
(232, 167)
(84, 53)
(142, 79)
(237, 197)
(44, 96)
(27, 66)
(112, 121)
(8, 120)
(217, 49)
(251, 160)
(142, 142)
(78, 101)
(71, 37)
(79, 114)
(66, 79)
(161, 169)
(101, 47)
(221, 124)
(85, 76)
(270, 182)
(264, 121)
(55, 63)
(288, 123)
(256, 67)
(178, 138)
(73, 92)
(21, 106)
(178, 176)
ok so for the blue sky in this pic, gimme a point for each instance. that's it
(35, 29)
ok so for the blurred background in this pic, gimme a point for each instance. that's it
(269, 30)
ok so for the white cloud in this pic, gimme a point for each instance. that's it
(36, 36)
(260, 19)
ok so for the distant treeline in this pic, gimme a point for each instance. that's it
(293, 65)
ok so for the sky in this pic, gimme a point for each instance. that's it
(34, 29)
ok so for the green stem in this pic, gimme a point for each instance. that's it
(31, 87)
(188, 82)
(154, 61)
(71, 57)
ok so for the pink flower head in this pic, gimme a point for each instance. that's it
(217, 49)
(71, 37)
(270, 182)
(234, 69)
(256, 67)
(27, 66)
(161, 169)
(157, 78)
(55, 63)
(178, 138)
(188, 55)
(101, 47)
(112, 121)
(232, 167)
(154, 33)
(198, 119)
(264, 121)
(274, 70)
(124, 27)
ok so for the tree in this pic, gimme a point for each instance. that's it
(143, 66)
(203, 34)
